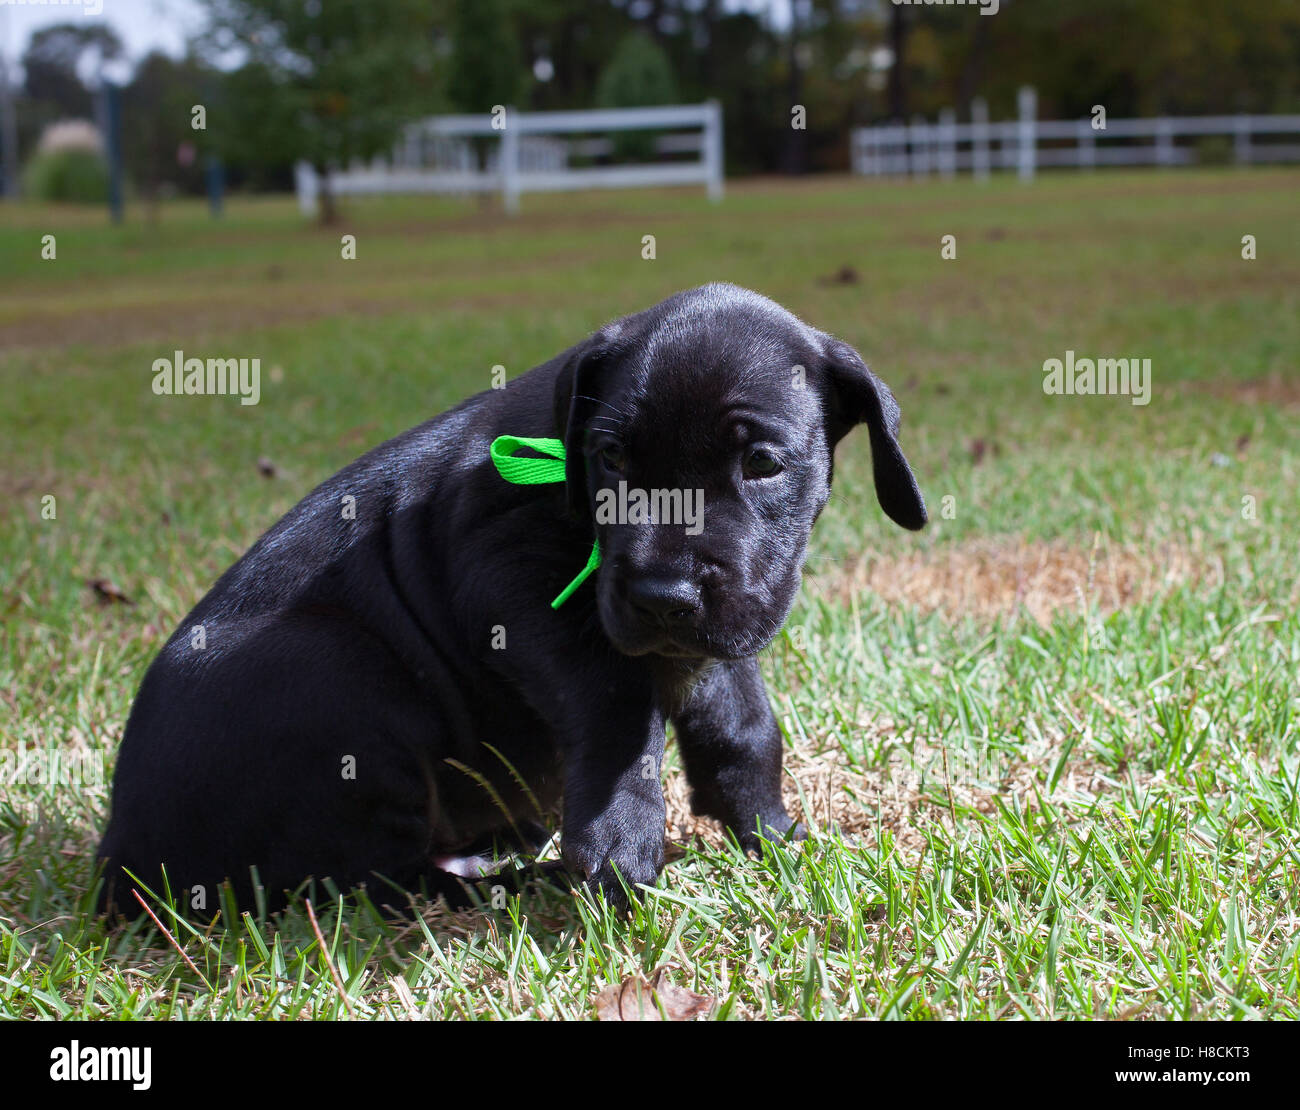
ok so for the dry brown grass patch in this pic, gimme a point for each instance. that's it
(1274, 391)
(988, 578)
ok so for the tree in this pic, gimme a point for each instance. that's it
(348, 72)
(484, 56)
(51, 60)
(156, 122)
(639, 75)
(53, 88)
(484, 61)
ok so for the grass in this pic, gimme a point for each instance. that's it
(1049, 744)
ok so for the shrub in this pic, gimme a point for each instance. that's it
(68, 164)
(67, 175)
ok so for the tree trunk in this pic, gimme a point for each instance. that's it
(897, 74)
(794, 139)
(326, 211)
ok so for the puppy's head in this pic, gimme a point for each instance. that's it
(699, 438)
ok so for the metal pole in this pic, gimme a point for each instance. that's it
(216, 175)
(113, 147)
(713, 149)
(8, 121)
(510, 162)
(1027, 101)
(979, 117)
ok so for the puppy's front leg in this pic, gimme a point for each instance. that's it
(613, 801)
(731, 748)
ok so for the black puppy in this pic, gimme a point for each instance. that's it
(381, 684)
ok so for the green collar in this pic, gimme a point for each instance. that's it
(536, 472)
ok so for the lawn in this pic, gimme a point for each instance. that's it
(1048, 746)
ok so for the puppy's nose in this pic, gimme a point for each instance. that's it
(663, 601)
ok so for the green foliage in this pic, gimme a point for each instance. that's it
(333, 81)
(254, 123)
(156, 118)
(347, 73)
(639, 75)
(484, 56)
(67, 175)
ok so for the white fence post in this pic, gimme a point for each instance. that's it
(895, 140)
(1086, 148)
(306, 186)
(712, 151)
(1027, 102)
(1241, 140)
(1164, 143)
(867, 150)
(947, 142)
(919, 140)
(979, 117)
(510, 161)
(919, 148)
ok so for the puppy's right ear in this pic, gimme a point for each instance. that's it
(577, 397)
(857, 396)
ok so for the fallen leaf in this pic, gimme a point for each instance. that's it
(107, 592)
(638, 999)
(845, 275)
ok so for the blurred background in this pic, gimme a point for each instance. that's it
(333, 81)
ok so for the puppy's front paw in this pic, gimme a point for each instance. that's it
(606, 848)
(782, 827)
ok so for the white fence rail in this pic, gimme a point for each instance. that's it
(947, 147)
(530, 156)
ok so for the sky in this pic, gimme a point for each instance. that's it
(143, 25)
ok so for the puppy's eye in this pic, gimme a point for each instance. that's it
(761, 464)
(614, 457)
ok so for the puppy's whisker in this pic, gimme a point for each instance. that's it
(600, 401)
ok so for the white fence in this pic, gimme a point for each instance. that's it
(529, 157)
(920, 148)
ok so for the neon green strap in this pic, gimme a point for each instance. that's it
(536, 472)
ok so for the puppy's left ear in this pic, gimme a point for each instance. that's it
(576, 399)
(857, 396)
